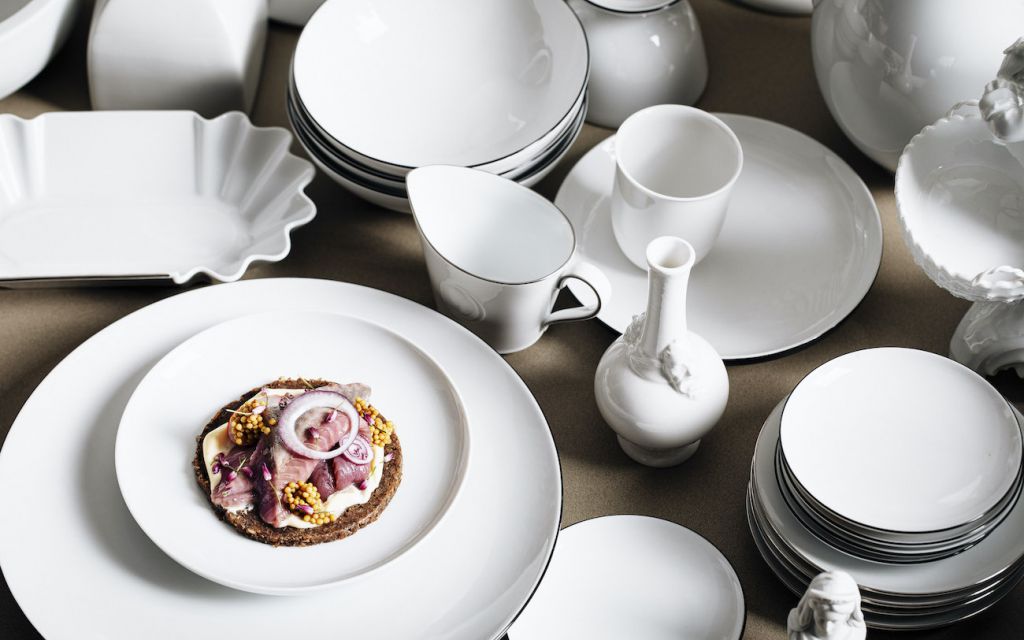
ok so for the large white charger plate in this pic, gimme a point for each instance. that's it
(461, 82)
(215, 366)
(621, 577)
(992, 557)
(155, 195)
(927, 444)
(465, 581)
(800, 247)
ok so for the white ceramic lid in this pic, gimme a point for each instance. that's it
(901, 440)
(634, 577)
(463, 82)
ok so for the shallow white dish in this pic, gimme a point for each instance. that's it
(926, 444)
(163, 194)
(217, 365)
(670, 584)
(799, 249)
(993, 556)
(960, 194)
(31, 33)
(450, 586)
(506, 73)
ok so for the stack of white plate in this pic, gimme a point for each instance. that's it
(380, 87)
(902, 468)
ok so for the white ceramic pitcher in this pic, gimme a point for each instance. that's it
(498, 254)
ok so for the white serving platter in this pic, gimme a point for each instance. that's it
(90, 197)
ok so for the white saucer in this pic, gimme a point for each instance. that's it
(214, 367)
(799, 250)
(634, 577)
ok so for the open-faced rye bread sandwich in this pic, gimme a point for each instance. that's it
(299, 462)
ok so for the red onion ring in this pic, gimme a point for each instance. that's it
(360, 451)
(316, 400)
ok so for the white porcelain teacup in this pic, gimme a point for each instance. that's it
(497, 254)
(675, 167)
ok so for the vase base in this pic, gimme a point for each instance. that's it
(658, 457)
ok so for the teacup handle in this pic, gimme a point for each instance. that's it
(591, 276)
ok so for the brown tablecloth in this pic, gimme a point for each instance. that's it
(760, 66)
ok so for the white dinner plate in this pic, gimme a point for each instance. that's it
(467, 580)
(993, 556)
(216, 366)
(799, 249)
(928, 446)
(621, 577)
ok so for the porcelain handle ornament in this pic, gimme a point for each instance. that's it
(1002, 283)
(964, 109)
(591, 276)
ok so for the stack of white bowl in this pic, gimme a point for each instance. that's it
(902, 468)
(381, 87)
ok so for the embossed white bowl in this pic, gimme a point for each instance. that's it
(31, 32)
(163, 195)
(960, 195)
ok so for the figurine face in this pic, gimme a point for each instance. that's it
(829, 614)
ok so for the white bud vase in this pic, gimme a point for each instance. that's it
(661, 387)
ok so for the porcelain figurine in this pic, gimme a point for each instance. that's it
(194, 55)
(888, 68)
(661, 387)
(642, 53)
(828, 610)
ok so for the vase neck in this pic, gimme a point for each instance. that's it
(666, 309)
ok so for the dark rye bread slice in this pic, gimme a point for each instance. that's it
(249, 523)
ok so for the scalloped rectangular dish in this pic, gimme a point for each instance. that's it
(100, 197)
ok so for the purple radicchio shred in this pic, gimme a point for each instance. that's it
(305, 508)
(266, 472)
